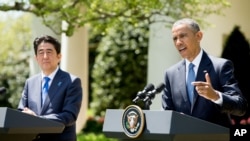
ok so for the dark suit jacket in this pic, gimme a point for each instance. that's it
(62, 103)
(222, 79)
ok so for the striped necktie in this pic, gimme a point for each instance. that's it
(45, 89)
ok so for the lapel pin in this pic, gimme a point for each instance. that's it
(59, 84)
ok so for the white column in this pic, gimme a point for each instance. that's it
(75, 60)
(161, 55)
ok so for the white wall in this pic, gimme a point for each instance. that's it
(238, 14)
(162, 53)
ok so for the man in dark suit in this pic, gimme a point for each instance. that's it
(214, 93)
(62, 94)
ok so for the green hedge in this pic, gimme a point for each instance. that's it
(93, 137)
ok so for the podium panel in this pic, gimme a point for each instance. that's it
(166, 126)
(15, 125)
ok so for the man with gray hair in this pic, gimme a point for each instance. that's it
(201, 85)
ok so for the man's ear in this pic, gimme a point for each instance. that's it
(199, 35)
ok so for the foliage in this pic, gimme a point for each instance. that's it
(120, 67)
(105, 15)
(102, 14)
(14, 59)
(93, 137)
(93, 124)
(92, 130)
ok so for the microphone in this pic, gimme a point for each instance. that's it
(2, 90)
(142, 94)
(151, 94)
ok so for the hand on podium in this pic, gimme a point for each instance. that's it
(28, 111)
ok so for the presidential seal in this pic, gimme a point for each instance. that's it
(133, 121)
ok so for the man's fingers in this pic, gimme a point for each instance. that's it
(198, 83)
(207, 78)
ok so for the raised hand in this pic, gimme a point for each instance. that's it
(205, 89)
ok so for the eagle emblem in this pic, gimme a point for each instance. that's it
(133, 121)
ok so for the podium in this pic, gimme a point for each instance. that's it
(166, 126)
(18, 126)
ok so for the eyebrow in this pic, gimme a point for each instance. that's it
(181, 34)
(48, 49)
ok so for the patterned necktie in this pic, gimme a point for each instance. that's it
(45, 88)
(190, 79)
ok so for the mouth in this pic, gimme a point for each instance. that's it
(45, 62)
(182, 49)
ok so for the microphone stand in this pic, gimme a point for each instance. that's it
(151, 95)
(147, 101)
(147, 104)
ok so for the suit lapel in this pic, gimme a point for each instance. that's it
(182, 84)
(38, 89)
(204, 66)
(180, 78)
(55, 85)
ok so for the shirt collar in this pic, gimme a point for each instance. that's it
(196, 60)
(52, 75)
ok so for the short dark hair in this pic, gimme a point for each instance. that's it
(47, 39)
(190, 22)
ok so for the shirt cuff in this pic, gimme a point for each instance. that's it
(220, 100)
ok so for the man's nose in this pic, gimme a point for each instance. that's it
(178, 41)
(45, 55)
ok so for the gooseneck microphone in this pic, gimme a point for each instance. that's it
(2, 90)
(151, 94)
(142, 94)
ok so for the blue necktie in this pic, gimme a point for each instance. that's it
(45, 88)
(190, 79)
